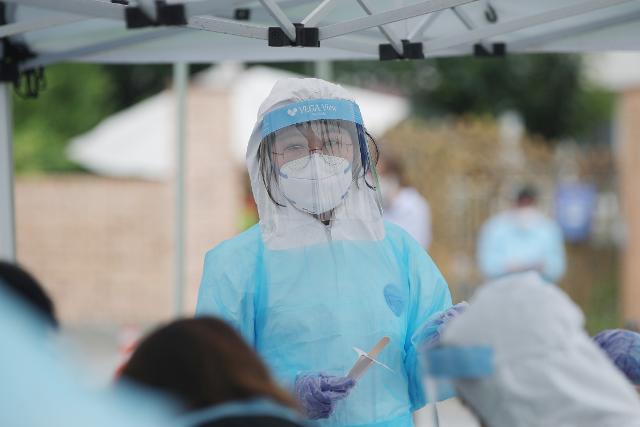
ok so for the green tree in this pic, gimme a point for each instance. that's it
(549, 91)
(76, 98)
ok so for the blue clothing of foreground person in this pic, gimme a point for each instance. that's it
(322, 273)
(522, 239)
(39, 389)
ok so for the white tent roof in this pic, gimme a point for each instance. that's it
(138, 142)
(94, 30)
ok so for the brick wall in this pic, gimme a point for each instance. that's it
(104, 247)
(629, 158)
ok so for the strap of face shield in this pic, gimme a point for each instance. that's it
(308, 111)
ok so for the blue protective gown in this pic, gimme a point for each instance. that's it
(305, 309)
(507, 245)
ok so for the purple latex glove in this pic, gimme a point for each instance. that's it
(318, 393)
(432, 330)
(623, 348)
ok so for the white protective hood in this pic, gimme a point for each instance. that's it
(359, 216)
(548, 372)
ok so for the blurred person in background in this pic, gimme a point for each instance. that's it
(403, 205)
(623, 348)
(522, 239)
(519, 357)
(322, 272)
(207, 367)
(25, 287)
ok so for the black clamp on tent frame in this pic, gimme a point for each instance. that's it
(26, 84)
(305, 37)
(242, 14)
(410, 50)
(166, 14)
(497, 50)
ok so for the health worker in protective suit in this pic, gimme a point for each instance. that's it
(322, 274)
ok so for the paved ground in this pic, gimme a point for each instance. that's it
(451, 413)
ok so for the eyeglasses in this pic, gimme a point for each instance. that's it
(300, 148)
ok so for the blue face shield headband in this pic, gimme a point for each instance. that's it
(310, 110)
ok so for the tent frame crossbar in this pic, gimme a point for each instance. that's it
(17, 28)
(316, 15)
(430, 8)
(281, 18)
(387, 17)
(71, 54)
(417, 34)
(519, 24)
(524, 44)
(386, 32)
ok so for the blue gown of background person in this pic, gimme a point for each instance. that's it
(304, 294)
(521, 239)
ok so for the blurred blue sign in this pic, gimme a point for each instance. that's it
(574, 208)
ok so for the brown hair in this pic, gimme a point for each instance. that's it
(202, 362)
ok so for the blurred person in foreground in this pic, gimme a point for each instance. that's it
(519, 356)
(403, 205)
(25, 287)
(41, 388)
(623, 348)
(521, 239)
(218, 379)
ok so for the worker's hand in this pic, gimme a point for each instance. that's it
(318, 393)
(433, 328)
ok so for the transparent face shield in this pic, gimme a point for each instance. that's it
(319, 167)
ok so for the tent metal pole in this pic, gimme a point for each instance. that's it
(386, 32)
(519, 24)
(353, 45)
(387, 17)
(343, 43)
(180, 87)
(323, 70)
(529, 42)
(229, 26)
(7, 200)
(103, 10)
(93, 8)
(417, 33)
(138, 37)
(316, 15)
(281, 18)
(466, 20)
(38, 24)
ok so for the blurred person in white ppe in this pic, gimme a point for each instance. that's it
(322, 272)
(522, 239)
(519, 357)
(403, 205)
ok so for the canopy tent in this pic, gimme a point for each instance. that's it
(41, 32)
(96, 30)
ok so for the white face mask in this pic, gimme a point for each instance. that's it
(316, 184)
